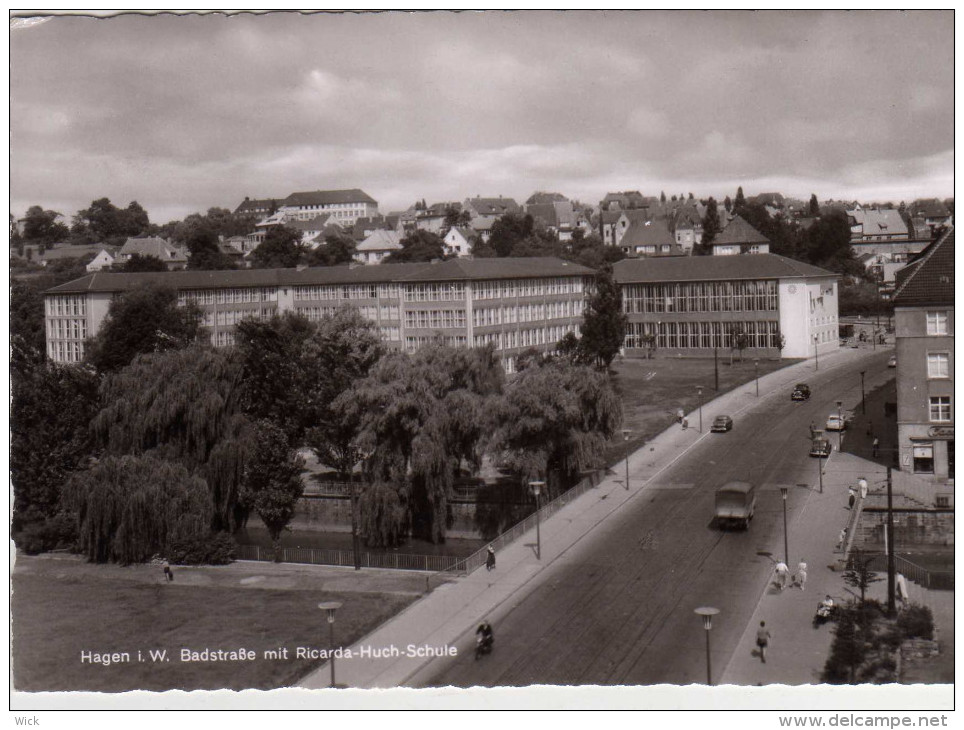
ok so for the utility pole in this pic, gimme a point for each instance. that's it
(716, 370)
(891, 572)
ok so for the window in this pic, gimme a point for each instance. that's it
(923, 458)
(940, 408)
(938, 364)
(937, 323)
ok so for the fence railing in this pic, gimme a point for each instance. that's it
(935, 580)
(477, 559)
(346, 558)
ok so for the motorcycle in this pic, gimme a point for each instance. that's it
(483, 645)
(825, 613)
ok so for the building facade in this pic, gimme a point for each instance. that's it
(344, 206)
(774, 306)
(924, 327)
(514, 304)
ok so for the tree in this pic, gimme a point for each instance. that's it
(130, 508)
(281, 249)
(711, 228)
(727, 204)
(508, 231)
(134, 220)
(27, 326)
(338, 248)
(604, 322)
(272, 371)
(690, 197)
(814, 205)
(139, 262)
(859, 575)
(554, 421)
(183, 406)
(41, 226)
(419, 245)
(272, 484)
(201, 239)
(145, 319)
(51, 407)
(826, 243)
(662, 197)
(101, 221)
(455, 217)
(590, 251)
(740, 200)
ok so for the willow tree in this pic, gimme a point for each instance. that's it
(555, 419)
(272, 484)
(130, 508)
(421, 415)
(184, 406)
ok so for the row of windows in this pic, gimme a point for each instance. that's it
(705, 335)
(524, 338)
(413, 343)
(63, 329)
(487, 316)
(331, 292)
(223, 338)
(65, 351)
(229, 296)
(527, 287)
(701, 296)
(444, 292)
(230, 317)
(66, 305)
(435, 318)
(392, 334)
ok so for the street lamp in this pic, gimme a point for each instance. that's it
(626, 433)
(839, 425)
(756, 374)
(536, 488)
(330, 607)
(707, 613)
(863, 400)
(786, 544)
(816, 353)
(699, 392)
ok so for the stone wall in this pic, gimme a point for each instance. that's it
(911, 527)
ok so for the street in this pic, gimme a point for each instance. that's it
(618, 607)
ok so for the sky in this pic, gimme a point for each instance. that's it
(182, 113)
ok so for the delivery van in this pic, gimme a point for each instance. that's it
(735, 504)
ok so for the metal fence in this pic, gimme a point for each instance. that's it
(477, 559)
(935, 580)
(346, 558)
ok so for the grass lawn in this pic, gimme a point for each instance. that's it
(653, 390)
(57, 615)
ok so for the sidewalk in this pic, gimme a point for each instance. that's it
(447, 617)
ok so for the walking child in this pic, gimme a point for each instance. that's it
(800, 577)
(490, 558)
(168, 573)
(763, 640)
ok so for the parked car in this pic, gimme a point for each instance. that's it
(836, 423)
(892, 363)
(735, 504)
(820, 447)
(801, 391)
(722, 423)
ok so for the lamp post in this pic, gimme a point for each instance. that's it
(330, 607)
(626, 433)
(863, 400)
(707, 613)
(699, 392)
(756, 374)
(536, 488)
(786, 543)
(816, 354)
(839, 425)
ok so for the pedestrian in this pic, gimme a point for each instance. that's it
(842, 539)
(168, 573)
(901, 590)
(851, 497)
(685, 423)
(863, 488)
(800, 577)
(813, 431)
(489, 558)
(679, 415)
(763, 640)
(781, 572)
(876, 447)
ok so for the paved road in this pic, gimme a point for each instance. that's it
(619, 608)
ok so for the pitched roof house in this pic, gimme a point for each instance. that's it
(173, 257)
(740, 237)
(491, 207)
(377, 246)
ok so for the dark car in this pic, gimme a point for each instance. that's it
(801, 391)
(722, 423)
(820, 447)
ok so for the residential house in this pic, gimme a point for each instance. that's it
(173, 257)
(251, 207)
(628, 200)
(649, 238)
(103, 260)
(739, 237)
(924, 327)
(933, 211)
(490, 209)
(869, 225)
(458, 241)
(377, 246)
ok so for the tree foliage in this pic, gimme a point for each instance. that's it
(130, 508)
(272, 484)
(41, 226)
(281, 249)
(145, 319)
(140, 262)
(419, 245)
(554, 421)
(103, 222)
(338, 248)
(183, 406)
(201, 238)
(604, 322)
